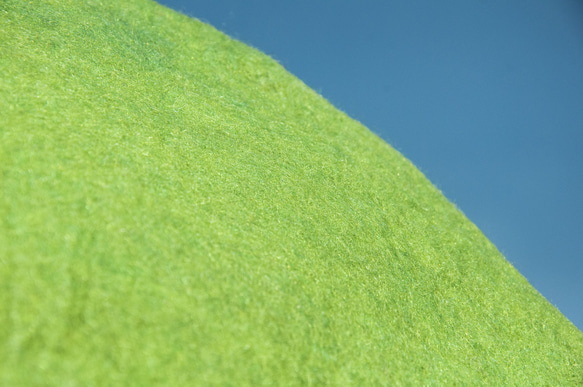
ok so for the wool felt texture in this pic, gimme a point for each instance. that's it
(177, 209)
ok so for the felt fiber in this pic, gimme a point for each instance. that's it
(177, 209)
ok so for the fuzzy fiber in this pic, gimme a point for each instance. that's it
(177, 209)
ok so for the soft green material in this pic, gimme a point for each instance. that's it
(177, 209)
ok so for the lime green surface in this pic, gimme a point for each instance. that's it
(177, 209)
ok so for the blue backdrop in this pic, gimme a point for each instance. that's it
(484, 97)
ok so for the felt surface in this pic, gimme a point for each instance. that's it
(177, 209)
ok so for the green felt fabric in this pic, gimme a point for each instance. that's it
(177, 209)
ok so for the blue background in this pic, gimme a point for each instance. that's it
(484, 97)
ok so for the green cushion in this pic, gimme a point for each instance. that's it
(177, 209)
